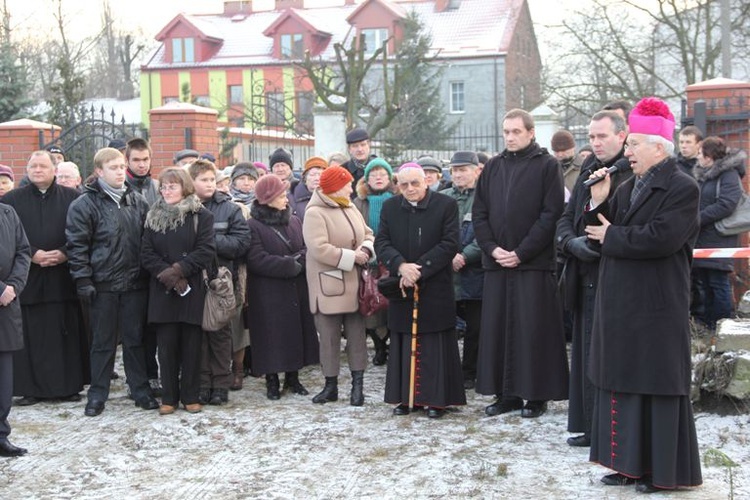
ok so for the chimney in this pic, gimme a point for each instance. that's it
(235, 7)
(289, 4)
(443, 5)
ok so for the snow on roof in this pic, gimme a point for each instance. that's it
(476, 28)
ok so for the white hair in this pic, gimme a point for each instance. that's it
(68, 164)
(667, 144)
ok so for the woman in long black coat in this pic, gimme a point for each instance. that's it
(178, 244)
(282, 331)
(719, 174)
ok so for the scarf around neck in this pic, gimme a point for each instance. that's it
(163, 217)
(115, 193)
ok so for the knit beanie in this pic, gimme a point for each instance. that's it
(8, 172)
(260, 166)
(562, 140)
(315, 162)
(651, 116)
(375, 163)
(268, 188)
(244, 168)
(334, 178)
(278, 156)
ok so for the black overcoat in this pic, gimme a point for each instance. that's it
(282, 330)
(15, 259)
(641, 334)
(194, 251)
(426, 234)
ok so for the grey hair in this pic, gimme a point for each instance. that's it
(68, 164)
(338, 157)
(617, 120)
(667, 144)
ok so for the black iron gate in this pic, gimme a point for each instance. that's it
(93, 129)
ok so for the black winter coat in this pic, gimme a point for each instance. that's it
(43, 218)
(721, 190)
(145, 185)
(426, 234)
(641, 335)
(104, 240)
(193, 251)
(299, 197)
(230, 230)
(15, 260)
(519, 198)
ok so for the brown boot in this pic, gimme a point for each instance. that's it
(238, 370)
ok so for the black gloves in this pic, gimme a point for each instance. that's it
(170, 276)
(580, 249)
(297, 268)
(85, 290)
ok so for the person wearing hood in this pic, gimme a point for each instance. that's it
(282, 330)
(339, 244)
(719, 173)
(300, 195)
(242, 183)
(518, 199)
(373, 189)
(138, 156)
(232, 238)
(103, 231)
(178, 245)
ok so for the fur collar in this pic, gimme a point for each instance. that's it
(735, 159)
(270, 216)
(163, 217)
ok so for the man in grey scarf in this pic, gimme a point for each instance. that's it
(103, 231)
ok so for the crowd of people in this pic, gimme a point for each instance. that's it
(503, 252)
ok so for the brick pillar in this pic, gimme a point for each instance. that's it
(20, 138)
(728, 116)
(168, 134)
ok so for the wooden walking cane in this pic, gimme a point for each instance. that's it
(413, 367)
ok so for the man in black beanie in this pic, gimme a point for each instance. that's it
(281, 164)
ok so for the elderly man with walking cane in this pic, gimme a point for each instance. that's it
(417, 241)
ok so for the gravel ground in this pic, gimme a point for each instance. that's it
(256, 448)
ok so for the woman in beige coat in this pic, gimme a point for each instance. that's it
(338, 243)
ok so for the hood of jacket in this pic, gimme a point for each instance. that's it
(735, 159)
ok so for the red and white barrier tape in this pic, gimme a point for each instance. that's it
(721, 253)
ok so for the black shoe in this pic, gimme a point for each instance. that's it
(469, 383)
(94, 408)
(219, 397)
(534, 409)
(204, 396)
(291, 381)
(73, 398)
(329, 393)
(646, 486)
(145, 403)
(503, 406)
(401, 410)
(9, 450)
(273, 391)
(433, 412)
(617, 479)
(582, 440)
(27, 401)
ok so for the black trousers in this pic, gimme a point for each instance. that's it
(180, 361)
(6, 391)
(108, 311)
(471, 312)
(149, 347)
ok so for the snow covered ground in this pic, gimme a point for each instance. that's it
(256, 448)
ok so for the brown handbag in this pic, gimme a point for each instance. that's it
(370, 298)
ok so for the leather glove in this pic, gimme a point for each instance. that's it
(297, 268)
(181, 286)
(580, 249)
(85, 290)
(169, 277)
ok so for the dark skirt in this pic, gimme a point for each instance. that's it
(522, 343)
(54, 360)
(439, 379)
(639, 435)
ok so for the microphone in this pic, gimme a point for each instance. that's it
(611, 170)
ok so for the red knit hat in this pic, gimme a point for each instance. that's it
(334, 178)
(268, 188)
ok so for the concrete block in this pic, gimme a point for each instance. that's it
(733, 335)
(739, 387)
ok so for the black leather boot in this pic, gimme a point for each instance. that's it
(204, 396)
(381, 349)
(357, 397)
(291, 381)
(272, 386)
(329, 393)
(219, 397)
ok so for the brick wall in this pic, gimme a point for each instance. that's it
(20, 138)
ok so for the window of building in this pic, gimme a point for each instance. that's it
(305, 102)
(235, 94)
(202, 100)
(183, 50)
(373, 39)
(275, 115)
(292, 46)
(458, 102)
(168, 99)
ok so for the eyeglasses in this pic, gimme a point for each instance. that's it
(169, 188)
